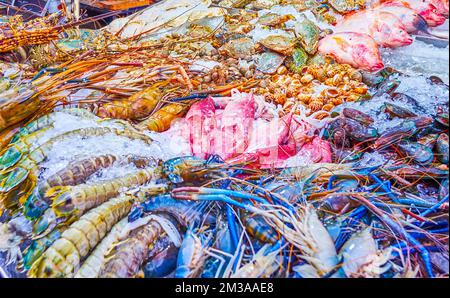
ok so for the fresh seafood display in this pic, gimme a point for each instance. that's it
(225, 139)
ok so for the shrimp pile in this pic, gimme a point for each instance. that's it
(225, 139)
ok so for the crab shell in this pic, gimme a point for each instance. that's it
(278, 43)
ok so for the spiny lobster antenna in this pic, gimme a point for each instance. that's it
(90, 19)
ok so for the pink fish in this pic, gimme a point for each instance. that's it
(235, 134)
(293, 140)
(426, 9)
(318, 149)
(269, 139)
(412, 21)
(357, 49)
(442, 6)
(385, 28)
(201, 123)
(209, 130)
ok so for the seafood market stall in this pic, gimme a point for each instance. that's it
(225, 138)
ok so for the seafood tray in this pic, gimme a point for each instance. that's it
(225, 138)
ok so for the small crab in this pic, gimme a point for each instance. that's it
(279, 43)
(238, 48)
(274, 20)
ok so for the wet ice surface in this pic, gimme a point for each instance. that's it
(64, 122)
(77, 148)
(371, 159)
(115, 171)
(203, 65)
(419, 58)
(10, 270)
(172, 140)
(11, 241)
(299, 160)
(259, 33)
(427, 96)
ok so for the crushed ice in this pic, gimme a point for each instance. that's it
(427, 96)
(419, 58)
(76, 148)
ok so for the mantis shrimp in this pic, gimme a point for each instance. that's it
(127, 257)
(26, 139)
(63, 257)
(17, 183)
(70, 202)
(39, 245)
